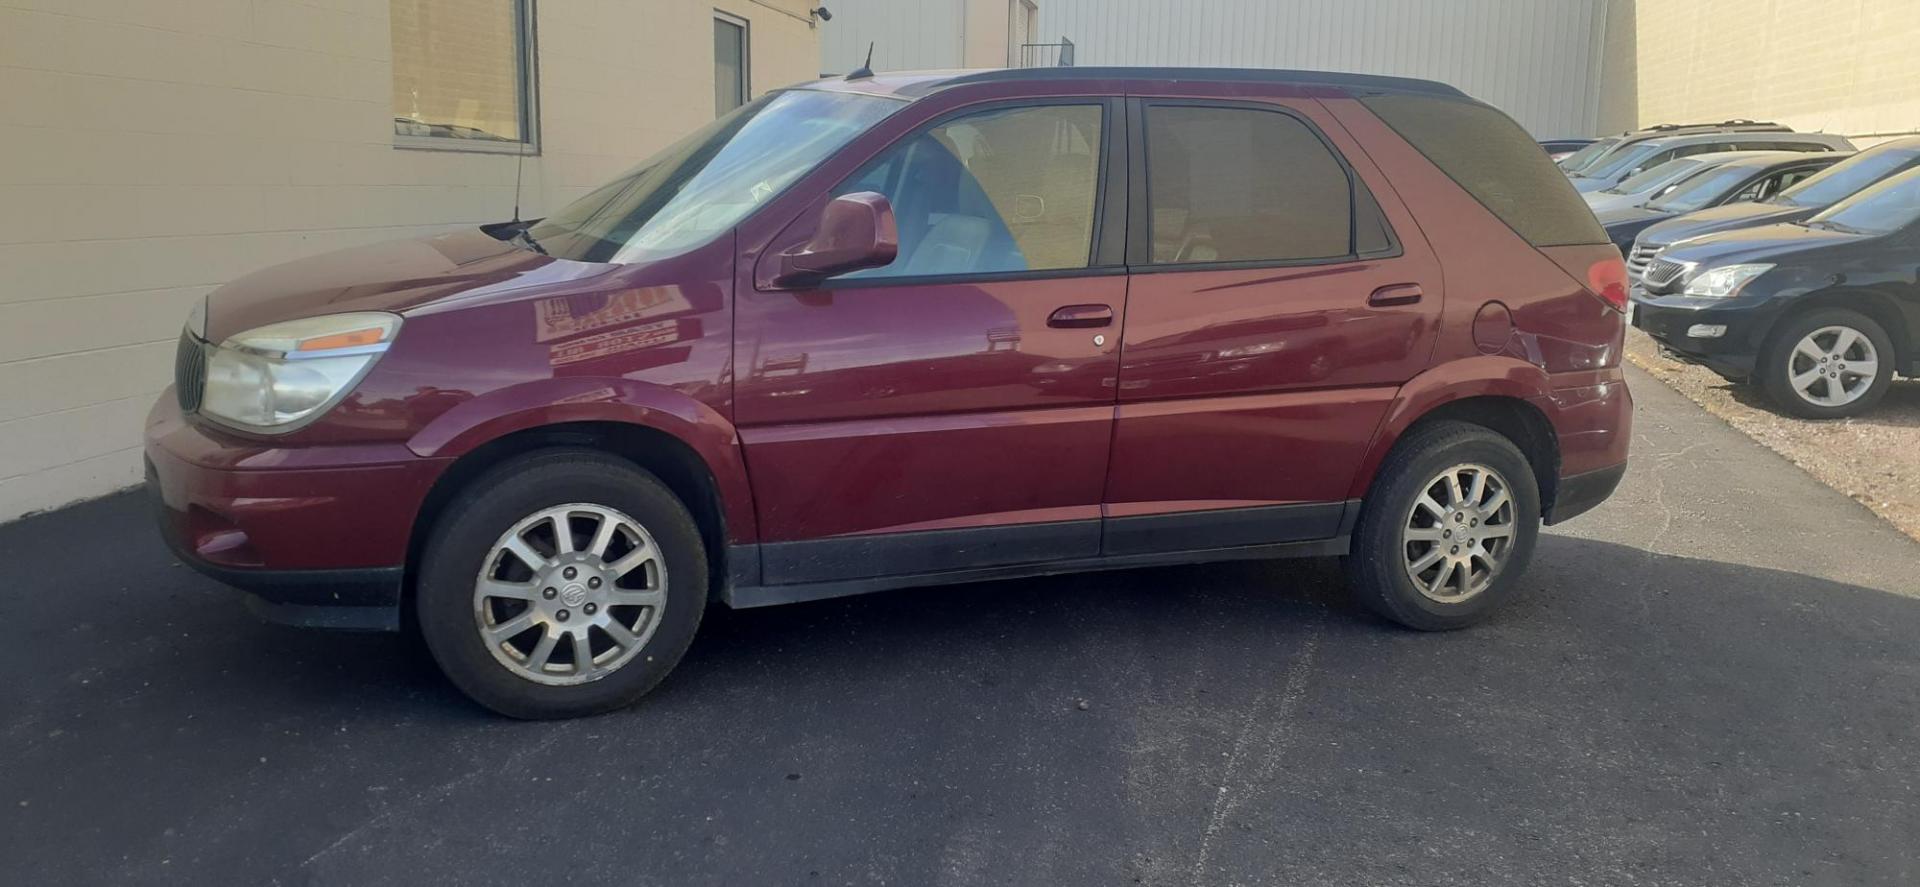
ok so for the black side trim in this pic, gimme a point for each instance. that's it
(1578, 494)
(887, 554)
(770, 595)
(1222, 528)
(326, 616)
(743, 564)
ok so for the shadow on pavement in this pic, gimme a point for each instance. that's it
(1637, 715)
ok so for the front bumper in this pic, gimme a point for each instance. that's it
(316, 535)
(1668, 319)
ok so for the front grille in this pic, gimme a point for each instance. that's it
(189, 372)
(1639, 258)
(1661, 272)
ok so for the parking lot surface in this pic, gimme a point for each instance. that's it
(1713, 679)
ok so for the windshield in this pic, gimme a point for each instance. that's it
(710, 180)
(1573, 162)
(1701, 190)
(1653, 179)
(1623, 159)
(1829, 185)
(1882, 208)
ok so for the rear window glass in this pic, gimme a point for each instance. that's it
(1495, 161)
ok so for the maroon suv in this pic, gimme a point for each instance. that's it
(910, 330)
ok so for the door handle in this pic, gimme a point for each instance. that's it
(1395, 294)
(1080, 316)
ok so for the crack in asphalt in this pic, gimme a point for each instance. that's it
(1225, 800)
(441, 791)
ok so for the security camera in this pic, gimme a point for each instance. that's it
(822, 13)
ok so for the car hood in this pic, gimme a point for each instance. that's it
(1724, 218)
(1767, 243)
(1602, 202)
(398, 276)
(1620, 215)
(1584, 185)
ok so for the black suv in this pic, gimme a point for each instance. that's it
(1820, 314)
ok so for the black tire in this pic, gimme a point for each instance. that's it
(1376, 564)
(492, 504)
(1777, 364)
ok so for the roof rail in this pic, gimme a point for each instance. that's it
(1736, 123)
(1231, 75)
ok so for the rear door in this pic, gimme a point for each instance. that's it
(953, 409)
(1280, 294)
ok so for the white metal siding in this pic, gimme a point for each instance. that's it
(907, 35)
(1535, 59)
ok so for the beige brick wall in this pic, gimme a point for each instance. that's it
(1843, 66)
(157, 148)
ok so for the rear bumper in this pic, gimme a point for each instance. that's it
(1578, 494)
(1592, 424)
(315, 535)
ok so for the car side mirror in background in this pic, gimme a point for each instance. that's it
(856, 231)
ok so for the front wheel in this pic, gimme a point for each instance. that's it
(561, 584)
(1447, 528)
(1828, 364)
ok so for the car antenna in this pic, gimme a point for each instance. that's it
(866, 69)
(519, 168)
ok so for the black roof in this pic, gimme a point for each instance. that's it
(1360, 82)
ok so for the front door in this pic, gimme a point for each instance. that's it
(954, 408)
(1280, 295)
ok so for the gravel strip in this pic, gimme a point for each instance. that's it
(1874, 458)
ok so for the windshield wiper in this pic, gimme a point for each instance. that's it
(524, 234)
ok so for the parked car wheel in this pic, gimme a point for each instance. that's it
(1828, 364)
(560, 584)
(1447, 528)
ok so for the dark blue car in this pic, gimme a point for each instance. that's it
(1797, 203)
(1745, 179)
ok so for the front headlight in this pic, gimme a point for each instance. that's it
(1725, 281)
(271, 378)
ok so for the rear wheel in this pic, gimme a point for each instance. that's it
(560, 584)
(1828, 364)
(1447, 528)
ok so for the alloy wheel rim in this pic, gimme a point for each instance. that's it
(570, 594)
(1458, 533)
(1833, 366)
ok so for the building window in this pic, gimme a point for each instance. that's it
(463, 75)
(730, 88)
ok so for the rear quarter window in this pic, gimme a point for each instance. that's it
(1490, 156)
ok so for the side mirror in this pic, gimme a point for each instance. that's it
(856, 231)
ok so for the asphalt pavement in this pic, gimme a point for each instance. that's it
(1713, 679)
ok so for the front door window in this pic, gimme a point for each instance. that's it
(999, 191)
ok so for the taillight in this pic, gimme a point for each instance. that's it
(1607, 279)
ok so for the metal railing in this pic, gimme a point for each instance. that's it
(1047, 55)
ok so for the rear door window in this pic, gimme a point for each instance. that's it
(1244, 185)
